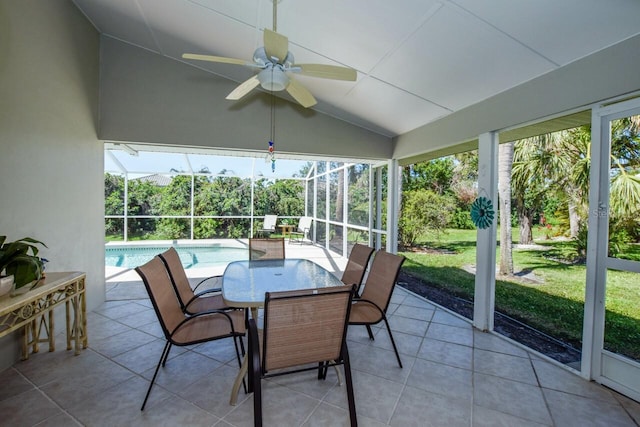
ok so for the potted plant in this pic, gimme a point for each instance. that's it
(20, 259)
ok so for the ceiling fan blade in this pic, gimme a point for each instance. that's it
(212, 58)
(300, 94)
(276, 45)
(244, 88)
(328, 71)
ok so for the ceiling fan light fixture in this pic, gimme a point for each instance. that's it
(273, 79)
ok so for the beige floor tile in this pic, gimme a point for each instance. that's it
(142, 317)
(485, 417)
(407, 325)
(493, 342)
(118, 309)
(146, 356)
(449, 333)
(511, 397)
(504, 365)
(117, 344)
(172, 412)
(441, 379)
(118, 405)
(380, 362)
(183, 370)
(406, 343)
(308, 383)
(82, 384)
(631, 406)
(100, 327)
(281, 407)
(571, 410)
(60, 420)
(460, 356)
(418, 408)
(446, 318)
(212, 392)
(27, 409)
(329, 415)
(419, 313)
(13, 384)
(375, 397)
(560, 379)
(222, 350)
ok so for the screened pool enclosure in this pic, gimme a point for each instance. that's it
(163, 195)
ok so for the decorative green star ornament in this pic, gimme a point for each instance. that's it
(482, 212)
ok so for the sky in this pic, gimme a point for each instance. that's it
(146, 163)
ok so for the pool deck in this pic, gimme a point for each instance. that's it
(125, 284)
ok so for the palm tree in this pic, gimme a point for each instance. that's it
(505, 160)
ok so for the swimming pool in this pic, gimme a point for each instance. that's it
(191, 256)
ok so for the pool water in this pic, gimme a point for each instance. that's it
(191, 256)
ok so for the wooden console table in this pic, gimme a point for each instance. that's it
(33, 311)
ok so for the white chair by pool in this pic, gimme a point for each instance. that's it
(303, 230)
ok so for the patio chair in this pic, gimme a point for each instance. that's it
(357, 265)
(303, 330)
(266, 248)
(268, 226)
(179, 328)
(371, 307)
(302, 231)
(190, 302)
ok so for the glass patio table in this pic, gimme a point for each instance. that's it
(244, 284)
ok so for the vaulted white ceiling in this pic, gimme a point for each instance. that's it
(417, 60)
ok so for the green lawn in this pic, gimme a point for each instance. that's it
(553, 305)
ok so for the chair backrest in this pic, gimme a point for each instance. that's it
(178, 277)
(305, 326)
(162, 295)
(266, 248)
(270, 222)
(357, 264)
(304, 225)
(382, 278)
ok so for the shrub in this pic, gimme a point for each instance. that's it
(423, 211)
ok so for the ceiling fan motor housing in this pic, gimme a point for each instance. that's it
(273, 79)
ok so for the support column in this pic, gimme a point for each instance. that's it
(393, 206)
(485, 285)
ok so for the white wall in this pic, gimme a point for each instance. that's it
(51, 162)
(146, 97)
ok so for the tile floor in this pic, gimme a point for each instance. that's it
(453, 375)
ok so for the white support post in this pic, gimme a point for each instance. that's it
(393, 206)
(345, 210)
(485, 285)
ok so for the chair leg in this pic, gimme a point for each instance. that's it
(349, 380)
(370, 332)
(255, 380)
(165, 353)
(322, 370)
(393, 343)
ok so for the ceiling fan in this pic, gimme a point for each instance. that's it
(276, 65)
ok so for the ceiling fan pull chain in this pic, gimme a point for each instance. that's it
(273, 118)
(275, 15)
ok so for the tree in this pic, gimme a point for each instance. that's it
(175, 201)
(505, 160)
(435, 175)
(113, 203)
(464, 187)
(423, 211)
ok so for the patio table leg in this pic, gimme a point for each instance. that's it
(238, 382)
